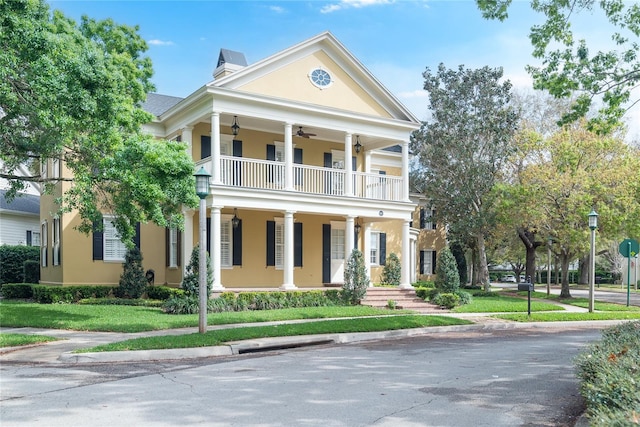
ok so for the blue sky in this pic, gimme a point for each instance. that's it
(395, 40)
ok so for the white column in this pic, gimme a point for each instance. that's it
(405, 276)
(288, 252)
(367, 161)
(405, 170)
(187, 138)
(349, 243)
(215, 147)
(366, 249)
(187, 240)
(215, 248)
(288, 157)
(348, 167)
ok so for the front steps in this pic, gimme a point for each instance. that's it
(405, 299)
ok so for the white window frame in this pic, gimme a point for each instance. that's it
(427, 265)
(374, 248)
(338, 242)
(35, 237)
(226, 241)
(110, 234)
(43, 167)
(43, 244)
(173, 247)
(55, 166)
(55, 242)
(279, 243)
(428, 218)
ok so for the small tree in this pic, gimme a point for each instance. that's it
(355, 279)
(132, 281)
(191, 280)
(392, 271)
(447, 277)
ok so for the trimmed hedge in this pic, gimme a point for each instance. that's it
(31, 271)
(12, 258)
(610, 377)
(16, 291)
(163, 292)
(44, 294)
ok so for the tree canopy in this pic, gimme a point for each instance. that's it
(570, 66)
(462, 149)
(73, 92)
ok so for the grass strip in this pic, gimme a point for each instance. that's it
(500, 303)
(16, 340)
(217, 337)
(121, 318)
(570, 316)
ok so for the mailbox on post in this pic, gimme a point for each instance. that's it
(528, 286)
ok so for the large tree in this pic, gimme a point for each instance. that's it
(569, 66)
(461, 151)
(570, 173)
(73, 92)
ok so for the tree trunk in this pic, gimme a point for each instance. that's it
(483, 269)
(583, 266)
(564, 290)
(529, 240)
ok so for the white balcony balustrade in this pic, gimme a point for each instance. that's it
(270, 175)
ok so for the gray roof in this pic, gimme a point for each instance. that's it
(231, 57)
(27, 203)
(157, 104)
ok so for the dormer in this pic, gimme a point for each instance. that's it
(229, 62)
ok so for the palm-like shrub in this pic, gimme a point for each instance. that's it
(133, 282)
(191, 280)
(356, 280)
(447, 277)
(392, 271)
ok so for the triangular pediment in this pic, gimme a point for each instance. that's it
(289, 75)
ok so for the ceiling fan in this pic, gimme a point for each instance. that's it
(303, 133)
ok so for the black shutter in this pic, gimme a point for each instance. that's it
(297, 159)
(28, 237)
(136, 238)
(208, 236)
(354, 163)
(237, 172)
(237, 244)
(98, 248)
(271, 243)
(271, 155)
(326, 253)
(328, 161)
(421, 262)
(297, 244)
(383, 248)
(433, 262)
(433, 219)
(205, 146)
(237, 148)
(423, 219)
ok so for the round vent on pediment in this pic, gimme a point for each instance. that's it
(320, 78)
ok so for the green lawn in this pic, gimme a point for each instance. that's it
(569, 316)
(501, 303)
(14, 340)
(120, 318)
(369, 324)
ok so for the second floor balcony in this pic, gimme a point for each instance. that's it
(260, 174)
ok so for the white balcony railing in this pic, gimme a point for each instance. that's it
(264, 174)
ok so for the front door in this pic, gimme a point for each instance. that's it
(337, 253)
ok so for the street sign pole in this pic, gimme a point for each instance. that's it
(629, 248)
(628, 271)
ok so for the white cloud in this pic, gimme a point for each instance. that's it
(156, 42)
(346, 4)
(277, 9)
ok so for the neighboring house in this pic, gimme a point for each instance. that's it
(20, 220)
(309, 158)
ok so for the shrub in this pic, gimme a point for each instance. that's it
(163, 292)
(16, 291)
(355, 279)
(132, 280)
(191, 280)
(12, 260)
(44, 294)
(184, 304)
(447, 300)
(465, 297)
(447, 277)
(121, 301)
(31, 271)
(424, 284)
(391, 273)
(610, 378)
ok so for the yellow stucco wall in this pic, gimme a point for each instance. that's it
(344, 93)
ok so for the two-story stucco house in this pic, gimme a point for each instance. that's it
(308, 156)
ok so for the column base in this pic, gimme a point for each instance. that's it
(405, 286)
(217, 288)
(288, 287)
